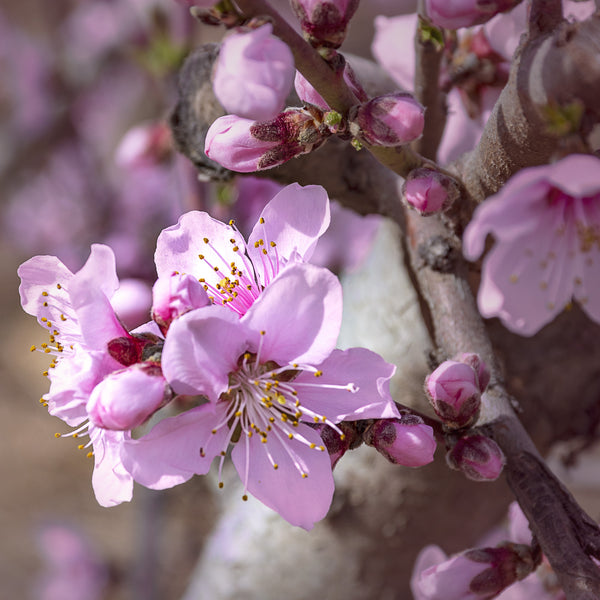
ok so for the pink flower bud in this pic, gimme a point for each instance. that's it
(453, 14)
(144, 145)
(253, 74)
(453, 390)
(407, 442)
(324, 22)
(477, 574)
(230, 143)
(175, 295)
(478, 457)
(125, 399)
(474, 361)
(390, 120)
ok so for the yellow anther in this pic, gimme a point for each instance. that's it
(304, 475)
(216, 269)
(63, 318)
(205, 240)
(220, 485)
(57, 435)
(45, 373)
(42, 400)
(322, 448)
(343, 437)
(264, 440)
(245, 498)
(318, 373)
(75, 435)
(235, 248)
(281, 399)
(43, 319)
(256, 244)
(261, 221)
(271, 419)
(222, 453)
(201, 256)
(263, 332)
(313, 446)
(44, 304)
(44, 345)
(249, 287)
(44, 293)
(291, 436)
(276, 466)
(47, 350)
(238, 414)
(264, 251)
(273, 244)
(231, 222)
(250, 433)
(316, 419)
(214, 431)
(81, 447)
(90, 454)
(33, 348)
(58, 286)
(323, 419)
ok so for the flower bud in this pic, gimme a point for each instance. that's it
(407, 441)
(324, 22)
(474, 361)
(230, 143)
(253, 74)
(453, 390)
(453, 14)
(478, 457)
(477, 574)
(390, 120)
(175, 295)
(146, 144)
(125, 399)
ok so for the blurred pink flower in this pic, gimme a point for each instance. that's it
(546, 221)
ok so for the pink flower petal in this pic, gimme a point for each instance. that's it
(300, 500)
(300, 313)
(177, 448)
(294, 220)
(111, 482)
(202, 348)
(368, 374)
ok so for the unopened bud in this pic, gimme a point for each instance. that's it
(453, 14)
(390, 120)
(324, 22)
(478, 457)
(125, 399)
(429, 192)
(174, 296)
(407, 441)
(453, 390)
(253, 74)
(144, 145)
(478, 574)
(475, 361)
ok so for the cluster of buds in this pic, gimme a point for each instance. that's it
(406, 441)
(453, 15)
(454, 390)
(428, 191)
(476, 574)
(324, 22)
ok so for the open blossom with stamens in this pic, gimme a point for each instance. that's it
(232, 271)
(275, 374)
(546, 222)
(87, 343)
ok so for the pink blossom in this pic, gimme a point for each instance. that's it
(426, 193)
(235, 272)
(546, 222)
(230, 143)
(453, 390)
(253, 74)
(275, 374)
(75, 310)
(390, 120)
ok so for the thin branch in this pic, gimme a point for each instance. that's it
(428, 56)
